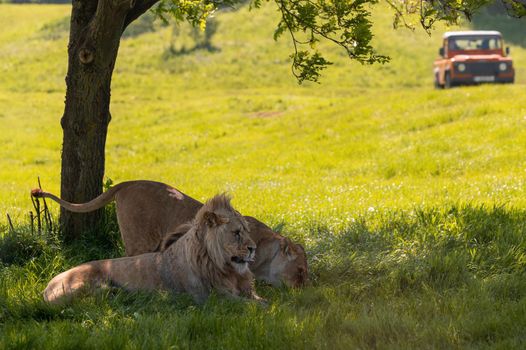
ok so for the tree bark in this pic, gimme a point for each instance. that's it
(96, 29)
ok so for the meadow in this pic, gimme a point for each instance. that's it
(410, 201)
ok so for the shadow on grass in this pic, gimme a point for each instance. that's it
(438, 245)
(436, 278)
(172, 51)
(442, 246)
(401, 250)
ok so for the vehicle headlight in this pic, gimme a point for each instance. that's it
(503, 66)
(461, 67)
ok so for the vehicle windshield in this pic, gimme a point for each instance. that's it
(474, 42)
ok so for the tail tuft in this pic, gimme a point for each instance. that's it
(37, 193)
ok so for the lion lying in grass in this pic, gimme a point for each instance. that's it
(213, 254)
(147, 211)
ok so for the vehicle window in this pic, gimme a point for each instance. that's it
(466, 43)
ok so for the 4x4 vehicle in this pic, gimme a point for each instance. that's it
(473, 57)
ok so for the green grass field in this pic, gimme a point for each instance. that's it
(411, 201)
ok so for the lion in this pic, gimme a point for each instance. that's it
(148, 211)
(212, 255)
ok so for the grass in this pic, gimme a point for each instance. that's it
(410, 201)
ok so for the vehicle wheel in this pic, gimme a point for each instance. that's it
(447, 81)
(437, 83)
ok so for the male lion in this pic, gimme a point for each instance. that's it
(213, 254)
(147, 211)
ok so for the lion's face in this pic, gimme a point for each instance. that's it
(229, 233)
(289, 265)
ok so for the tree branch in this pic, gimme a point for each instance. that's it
(140, 7)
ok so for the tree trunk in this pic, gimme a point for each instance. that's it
(96, 29)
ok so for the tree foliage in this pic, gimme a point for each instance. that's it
(344, 23)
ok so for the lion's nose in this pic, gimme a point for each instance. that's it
(251, 250)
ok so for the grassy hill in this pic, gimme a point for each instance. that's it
(410, 201)
(365, 126)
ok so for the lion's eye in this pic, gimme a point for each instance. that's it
(237, 233)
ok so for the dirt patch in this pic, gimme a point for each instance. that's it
(264, 114)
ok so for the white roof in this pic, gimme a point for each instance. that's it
(472, 32)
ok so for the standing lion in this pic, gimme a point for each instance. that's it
(213, 254)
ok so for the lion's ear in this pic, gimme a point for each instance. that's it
(173, 237)
(285, 245)
(170, 239)
(213, 219)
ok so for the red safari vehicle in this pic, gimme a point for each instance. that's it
(472, 57)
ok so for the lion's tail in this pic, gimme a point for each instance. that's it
(94, 204)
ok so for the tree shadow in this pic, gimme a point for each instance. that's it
(172, 51)
(187, 39)
(495, 17)
(442, 246)
(438, 247)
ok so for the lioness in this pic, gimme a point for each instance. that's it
(147, 211)
(213, 254)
